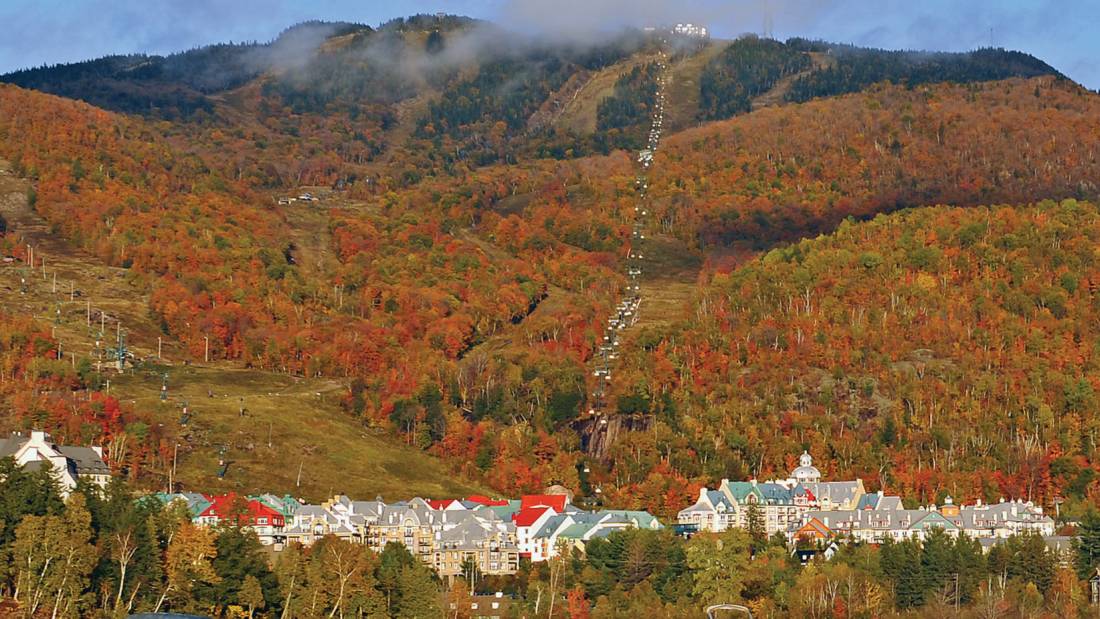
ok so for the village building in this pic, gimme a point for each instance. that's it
(69, 464)
(236, 510)
(448, 535)
(779, 503)
(892, 522)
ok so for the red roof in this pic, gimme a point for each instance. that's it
(223, 505)
(486, 501)
(441, 503)
(527, 517)
(557, 501)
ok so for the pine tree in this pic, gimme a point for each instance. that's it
(936, 560)
(757, 530)
(1087, 545)
(393, 560)
(239, 555)
(901, 563)
(418, 593)
(251, 595)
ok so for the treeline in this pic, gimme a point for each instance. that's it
(747, 68)
(174, 86)
(855, 68)
(643, 573)
(106, 553)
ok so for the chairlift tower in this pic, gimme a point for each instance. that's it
(769, 21)
(119, 352)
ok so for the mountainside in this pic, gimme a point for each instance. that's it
(477, 224)
(937, 351)
(782, 174)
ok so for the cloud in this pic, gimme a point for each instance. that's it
(1058, 31)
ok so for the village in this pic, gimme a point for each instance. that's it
(495, 534)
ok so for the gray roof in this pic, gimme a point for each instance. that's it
(970, 517)
(836, 491)
(552, 524)
(86, 459)
(11, 444)
(81, 460)
(877, 500)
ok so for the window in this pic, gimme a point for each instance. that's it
(262, 520)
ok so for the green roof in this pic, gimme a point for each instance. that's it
(740, 490)
(933, 519)
(285, 505)
(576, 531)
(642, 519)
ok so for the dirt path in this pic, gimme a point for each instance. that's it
(683, 90)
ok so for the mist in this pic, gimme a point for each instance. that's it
(1057, 31)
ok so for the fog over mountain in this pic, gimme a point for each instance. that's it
(1056, 31)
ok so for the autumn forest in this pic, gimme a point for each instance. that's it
(888, 260)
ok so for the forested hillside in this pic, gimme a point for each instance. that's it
(457, 276)
(936, 351)
(747, 68)
(856, 68)
(782, 174)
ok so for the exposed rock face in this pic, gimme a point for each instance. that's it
(600, 431)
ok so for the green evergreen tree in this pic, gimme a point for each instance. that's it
(240, 556)
(901, 564)
(418, 593)
(25, 493)
(937, 560)
(1087, 545)
(394, 559)
(1029, 560)
(756, 527)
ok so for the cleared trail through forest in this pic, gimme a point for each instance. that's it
(778, 94)
(662, 274)
(71, 286)
(265, 425)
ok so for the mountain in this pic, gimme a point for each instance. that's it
(478, 194)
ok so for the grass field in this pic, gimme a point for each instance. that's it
(288, 423)
(579, 115)
(682, 108)
(306, 426)
(668, 282)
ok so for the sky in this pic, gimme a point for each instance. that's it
(1061, 32)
